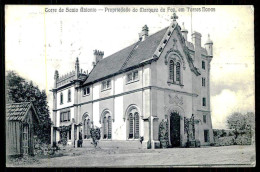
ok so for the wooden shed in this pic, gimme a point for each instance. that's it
(20, 120)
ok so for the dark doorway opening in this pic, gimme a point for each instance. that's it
(175, 129)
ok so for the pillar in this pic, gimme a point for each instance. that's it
(72, 133)
(51, 135)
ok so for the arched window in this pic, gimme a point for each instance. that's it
(133, 124)
(171, 70)
(178, 72)
(61, 98)
(69, 96)
(136, 126)
(86, 128)
(107, 126)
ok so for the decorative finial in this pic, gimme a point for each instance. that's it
(174, 17)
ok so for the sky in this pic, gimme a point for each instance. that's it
(38, 42)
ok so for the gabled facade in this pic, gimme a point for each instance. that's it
(162, 77)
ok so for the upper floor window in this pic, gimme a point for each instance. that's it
(106, 85)
(132, 76)
(65, 116)
(203, 101)
(86, 91)
(203, 65)
(203, 81)
(69, 96)
(175, 75)
(204, 118)
(61, 98)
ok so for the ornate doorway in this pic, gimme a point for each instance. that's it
(175, 129)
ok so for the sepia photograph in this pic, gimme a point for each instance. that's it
(130, 86)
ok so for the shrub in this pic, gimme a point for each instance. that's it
(95, 135)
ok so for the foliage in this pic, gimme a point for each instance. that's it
(163, 134)
(95, 135)
(20, 90)
(241, 123)
(63, 132)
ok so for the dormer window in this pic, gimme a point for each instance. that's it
(106, 85)
(132, 76)
(86, 91)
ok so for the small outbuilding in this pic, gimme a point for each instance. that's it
(20, 121)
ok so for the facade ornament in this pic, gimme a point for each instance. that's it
(175, 100)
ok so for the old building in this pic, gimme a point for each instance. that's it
(160, 77)
(20, 121)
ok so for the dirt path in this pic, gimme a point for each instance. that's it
(228, 156)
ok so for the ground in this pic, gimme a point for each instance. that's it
(90, 157)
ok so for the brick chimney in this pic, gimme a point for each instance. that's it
(144, 33)
(98, 55)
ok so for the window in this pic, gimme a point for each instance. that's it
(86, 91)
(133, 126)
(205, 118)
(86, 128)
(171, 68)
(61, 98)
(175, 75)
(65, 116)
(203, 65)
(69, 96)
(203, 101)
(203, 81)
(106, 85)
(136, 125)
(107, 126)
(206, 135)
(178, 72)
(132, 76)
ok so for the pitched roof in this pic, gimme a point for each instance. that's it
(18, 111)
(126, 58)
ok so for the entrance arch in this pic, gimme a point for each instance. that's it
(175, 129)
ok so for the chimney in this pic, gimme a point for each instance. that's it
(98, 55)
(144, 33)
(196, 39)
(56, 77)
(77, 67)
(184, 32)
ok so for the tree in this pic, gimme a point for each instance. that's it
(241, 123)
(20, 90)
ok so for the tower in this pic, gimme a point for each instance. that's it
(209, 46)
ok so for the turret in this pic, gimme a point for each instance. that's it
(184, 32)
(56, 77)
(209, 46)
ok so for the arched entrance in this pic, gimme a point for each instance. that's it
(175, 129)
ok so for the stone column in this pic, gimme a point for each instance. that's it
(154, 132)
(72, 133)
(51, 135)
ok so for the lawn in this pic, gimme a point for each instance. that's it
(229, 156)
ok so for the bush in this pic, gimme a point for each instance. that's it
(95, 135)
